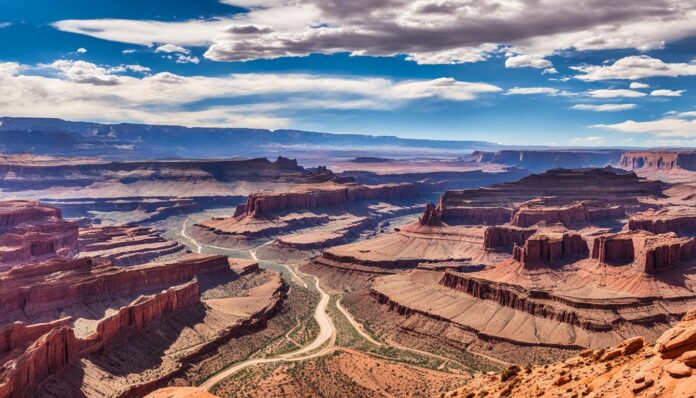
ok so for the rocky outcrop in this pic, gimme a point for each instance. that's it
(681, 221)
(59, 346)
(476, 215)
(31, 231)
(547, 248)
(658, 160)
(13, 213)
(126, 246)
(614, 248)
(631, 368)
(31, 292)
(263, 203)
(566, 215)
(506, 236)
(432, 216)
(647, 252)
(598, 188)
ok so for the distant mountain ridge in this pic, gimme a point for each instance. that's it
(46, 135)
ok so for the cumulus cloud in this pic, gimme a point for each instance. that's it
(615, 93)
(85, 72)
(171, 48)
(603, 107)
(5, 25)
(80, 90)
(427, 31)
(638, 85)
(667, 93)
(81, 50)
(634, 68)
(528, 61)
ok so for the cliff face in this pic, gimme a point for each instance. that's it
(31, 231)
(566, 215)
(544, 160)
(477, 215)
(30, 293)
(53, 350)
(261, 203)
(659, 160)
(13, 213)
(647, 252)
(681, 221)
(506, 236)
(548, 248)
(432, 216)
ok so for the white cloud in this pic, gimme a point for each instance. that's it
(638, 85)
(81, 50)
(603, 107)
(5, 25)
(8, 69)
(667, 93)
(615, 93)
(84, 72)
(146, 33)
(591, 140)
(634, 68)
(532, 90)
(171, 48)
(669, 127)
(185, 59)
(528, 61)
(128, 51)
(426, 31)
(139, 68)
(81, 91)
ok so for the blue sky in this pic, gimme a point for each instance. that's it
(510, 71)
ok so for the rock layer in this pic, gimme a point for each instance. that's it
(53, 350)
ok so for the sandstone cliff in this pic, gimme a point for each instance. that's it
(506, 236)
(29, 292)
(547, 248)
(658, 160)
(32, 231)
(335, 195)
(59, 346)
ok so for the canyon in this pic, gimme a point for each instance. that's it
(367, 273)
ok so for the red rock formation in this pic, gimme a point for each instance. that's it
(506, 236)
(126, 246)
(31, 292)
(59, 346)
(647, 252)
(263, 203)
(632, 368)
(545, 248)
(13, 213)
(681, 221)
(32, 231)
(476, 215)
(432, 216)
(566, 215)
(614, 248)
(659, 160)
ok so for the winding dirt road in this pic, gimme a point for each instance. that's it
(327, 330)
(327, 333)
